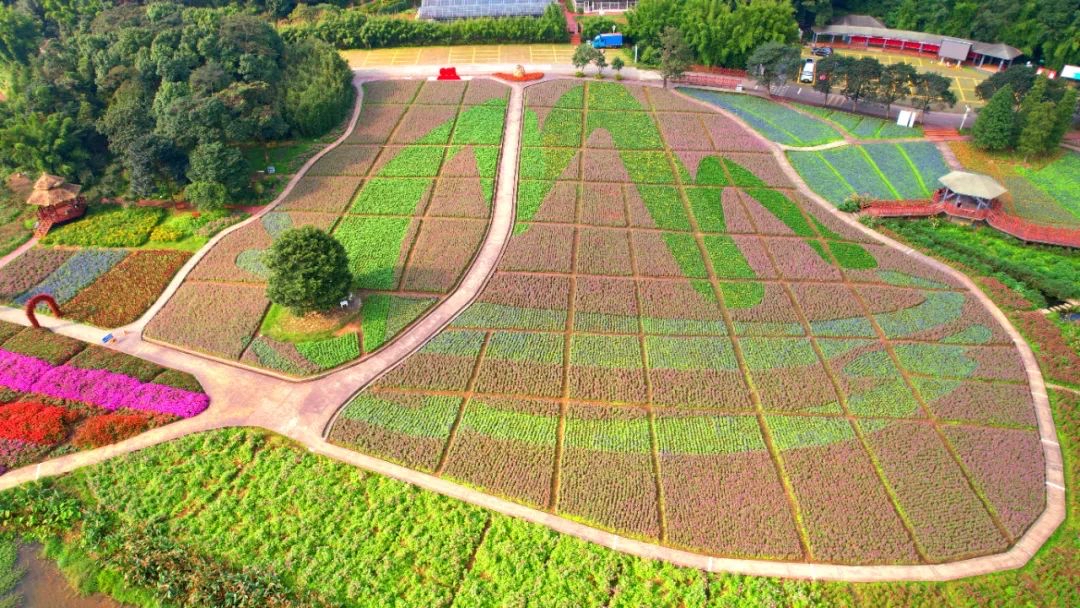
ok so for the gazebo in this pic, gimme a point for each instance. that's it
(57, 201)
(963, 188)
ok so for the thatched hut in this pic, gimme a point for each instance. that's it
(57, 202)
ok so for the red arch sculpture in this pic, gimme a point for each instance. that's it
(34, 301)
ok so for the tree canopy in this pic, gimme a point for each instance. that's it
(309, 270)
(120, 98)
(774, 63)
(719, 32)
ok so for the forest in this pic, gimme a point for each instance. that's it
(143, 100)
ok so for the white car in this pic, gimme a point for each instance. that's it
(807, 74)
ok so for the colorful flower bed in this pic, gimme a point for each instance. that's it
(901, 171)
(436, 147)
(58, 395)
(642, 319)
(863, 127)
(781, 124)
(126, 291)
(108, 226)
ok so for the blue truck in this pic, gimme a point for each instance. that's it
(607, 41)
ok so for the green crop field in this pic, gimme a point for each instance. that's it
(330, 534)
(673, 328)
(408, 195)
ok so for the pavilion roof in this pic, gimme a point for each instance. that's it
(51, 190)
(973, 184)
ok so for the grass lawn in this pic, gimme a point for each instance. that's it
(1043, 191)
(222, 505)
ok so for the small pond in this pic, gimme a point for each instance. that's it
(44, 586)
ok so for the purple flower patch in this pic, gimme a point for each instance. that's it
(98, 387)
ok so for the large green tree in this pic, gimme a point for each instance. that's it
(995, 127)
(309, 270)
(773, 64)
(895, 83)
(317, 87)
(931, 88)
(1034, 138)
(216, 162)
(675, 55)
(19, 36)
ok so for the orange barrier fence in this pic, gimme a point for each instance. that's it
(709, 80)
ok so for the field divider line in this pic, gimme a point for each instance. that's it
(654, 440)
(568, 327)
(914, 170)
(934, 421)
(466, 398)
(877, 169)
(840, 176)
(740, 357)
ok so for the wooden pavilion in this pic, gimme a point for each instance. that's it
(57, 202)
(965, 190)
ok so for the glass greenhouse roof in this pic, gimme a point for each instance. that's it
(461, 9)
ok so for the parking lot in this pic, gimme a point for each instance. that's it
(965, 78)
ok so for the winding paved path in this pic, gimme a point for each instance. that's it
(302, 410)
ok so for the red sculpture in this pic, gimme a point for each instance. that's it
(34, 301)
(448, 74)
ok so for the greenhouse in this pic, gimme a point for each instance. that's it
(464, 9)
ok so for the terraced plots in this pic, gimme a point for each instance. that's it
(408, 194)
(678, 347)
(884, 171)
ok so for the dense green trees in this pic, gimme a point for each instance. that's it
(1035, 126)
(18, 35)
(866, 79)
(995, 127)
(309, 271)
(720, 32)
(139, 100)
(354, 29)
(317, 87)
(675, 54)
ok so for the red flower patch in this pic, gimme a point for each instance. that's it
(35, 422)
(109, 428)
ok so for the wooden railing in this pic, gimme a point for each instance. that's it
(994, 216)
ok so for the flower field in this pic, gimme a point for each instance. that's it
(777, 122)
(678, 346)
(107, 268)
(1041, 192)
(408, 195)
(863, 127)
(885, 171)
(58, 395)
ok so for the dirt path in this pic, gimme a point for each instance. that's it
(304, 410)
